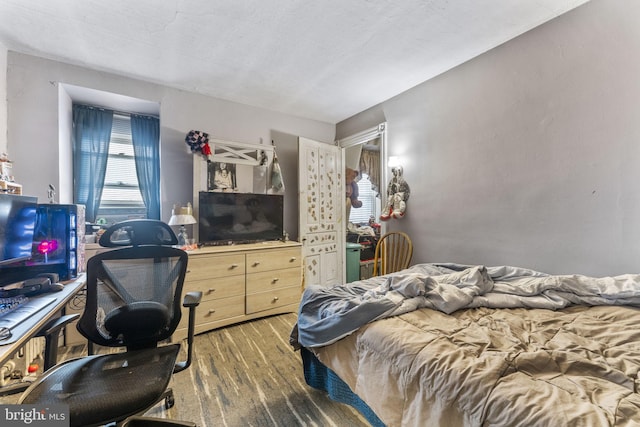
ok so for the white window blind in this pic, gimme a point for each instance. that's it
(368, 198)
(121, 188)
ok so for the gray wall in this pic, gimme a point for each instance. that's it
(529, 154)
(3, 96)
(34, 107)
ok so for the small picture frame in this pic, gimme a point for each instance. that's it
(221, 177)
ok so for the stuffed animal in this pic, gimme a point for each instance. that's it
(397, 195)
(352, 187)
(399, 205)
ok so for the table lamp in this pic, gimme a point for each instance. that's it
(182, 216)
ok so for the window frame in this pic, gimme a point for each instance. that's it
(125, 206)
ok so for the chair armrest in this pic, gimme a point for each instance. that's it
(55, 325)
(192, 299)
(51, 331)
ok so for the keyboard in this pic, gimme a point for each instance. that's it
(11, 303)
(23, 310)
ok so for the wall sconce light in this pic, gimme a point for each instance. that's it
(182, 216)
(394, 161)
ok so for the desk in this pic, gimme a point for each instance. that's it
(30, 327)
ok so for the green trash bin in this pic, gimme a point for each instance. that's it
(353, 262)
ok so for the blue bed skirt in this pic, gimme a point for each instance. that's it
(320, 377)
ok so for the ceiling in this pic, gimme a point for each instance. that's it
(323, 60)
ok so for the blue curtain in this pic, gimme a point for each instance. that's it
(145, 134)
(91, 135)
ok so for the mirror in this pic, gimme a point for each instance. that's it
(364, 159)
(362, 185)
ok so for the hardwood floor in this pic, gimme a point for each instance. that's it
(248, 375)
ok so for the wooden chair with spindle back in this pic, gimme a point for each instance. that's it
(393, 253)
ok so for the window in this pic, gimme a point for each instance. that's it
(116, 161)
(370, 203)
(121, 197)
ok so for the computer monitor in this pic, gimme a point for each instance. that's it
(17, 225)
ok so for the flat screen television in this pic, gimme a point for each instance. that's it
(17, 225)
(227, 218)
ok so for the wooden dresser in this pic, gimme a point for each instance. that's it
(242, 282)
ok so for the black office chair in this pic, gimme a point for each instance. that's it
(133, 301)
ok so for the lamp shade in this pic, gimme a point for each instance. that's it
(182, 215)
(182, 220)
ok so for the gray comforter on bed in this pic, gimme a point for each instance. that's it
(444, 352)
(328, 314)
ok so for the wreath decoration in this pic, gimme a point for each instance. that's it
(198, 142)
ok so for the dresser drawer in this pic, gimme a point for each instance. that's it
(273, 299)
(242, 282)
(273, 260)
(268, 280)
(208, 266)
(217, 287)
(215, 309)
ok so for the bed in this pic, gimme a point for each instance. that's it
(456, 345)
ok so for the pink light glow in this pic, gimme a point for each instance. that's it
(47, 246)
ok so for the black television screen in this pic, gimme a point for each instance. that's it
(225, 218)
(17, 225)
